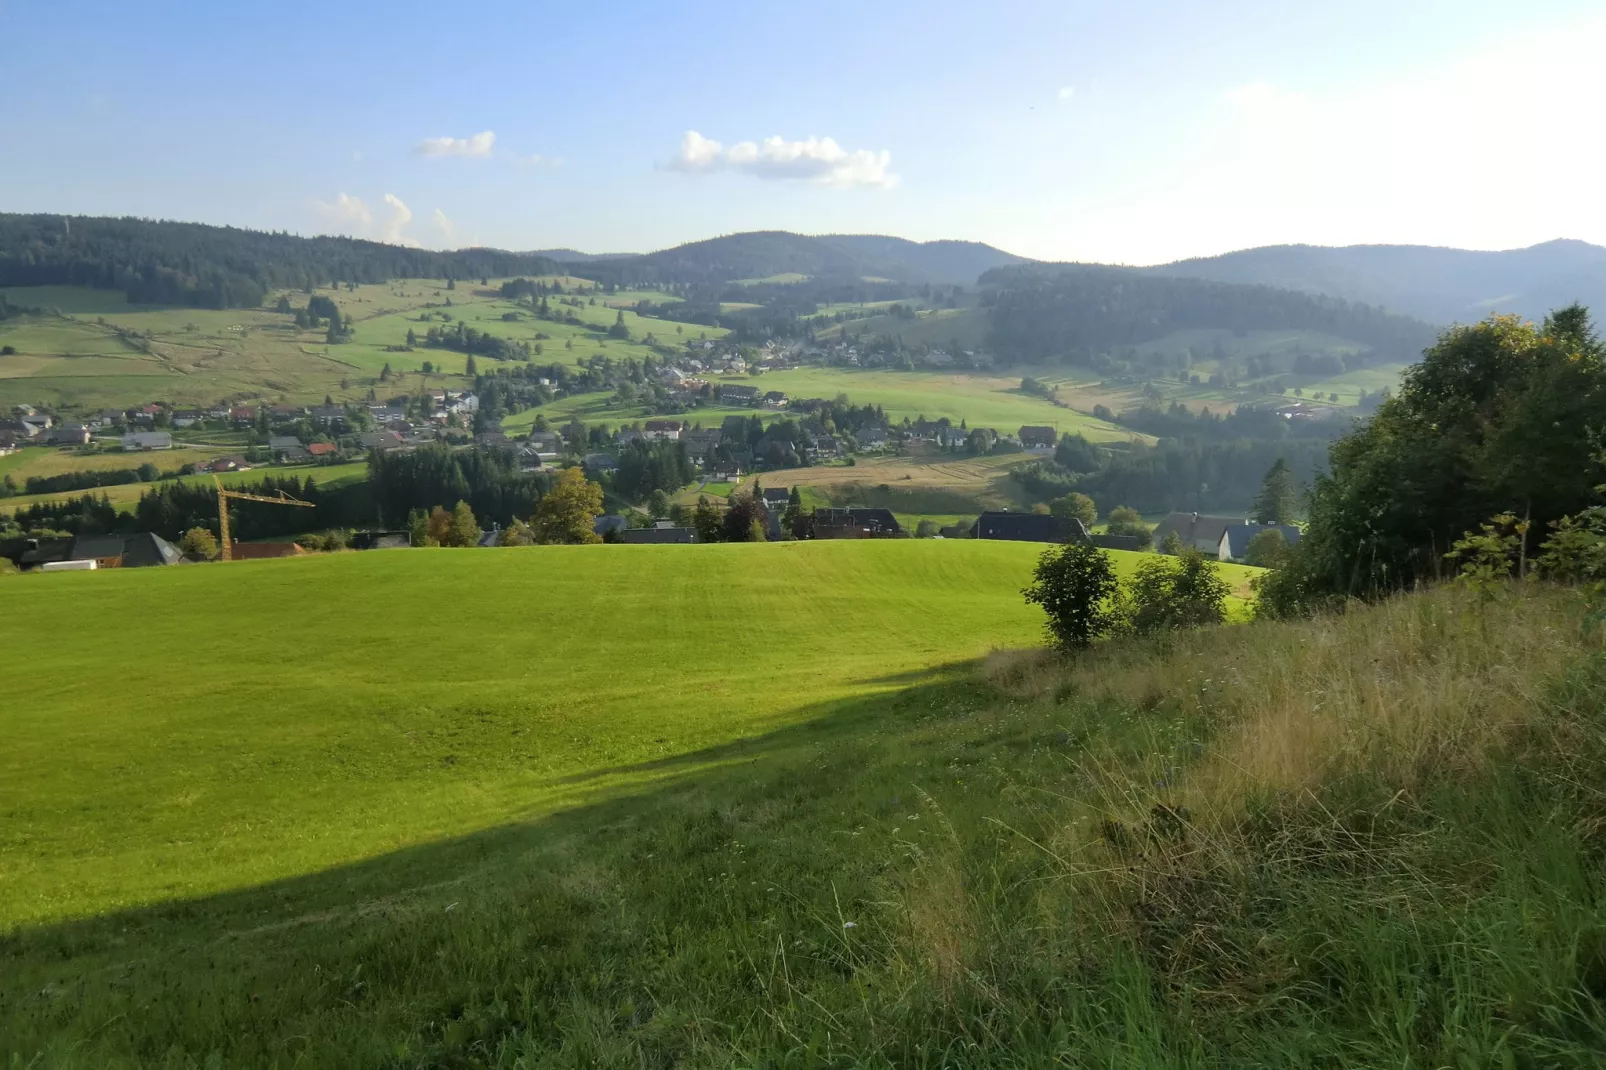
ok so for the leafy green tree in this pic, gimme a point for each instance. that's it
(1076, 454)
(517, 533)
(1269, 549)
(1498, 416)
(746, 519)
(1173, 593)
(438, 528)
(568, 513)
(1278, 496)
(1124, 520)
(658, 503)
(706, 520)
(465, 530)
(418, 528)
(199, 544)
(1075, 506)
(1075, 585)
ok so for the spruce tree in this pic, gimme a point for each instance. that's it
(1275, 503)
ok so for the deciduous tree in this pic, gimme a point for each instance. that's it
(568, 513)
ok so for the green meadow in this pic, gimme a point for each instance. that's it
(299, 733)
(784, 805)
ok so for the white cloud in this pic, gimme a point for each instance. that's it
(345, 211)
(1067, 92)
(697, 153)
(474, 145)
(393, 229)
(816, 160)
(444, 224)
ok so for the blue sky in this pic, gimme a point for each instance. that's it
(1124, 132)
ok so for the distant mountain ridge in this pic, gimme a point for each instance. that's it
(1440, 285)
(766, 253)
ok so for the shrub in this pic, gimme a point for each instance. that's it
(1074, 584)
(1173, 593)
(1269, 549)
(1124, 520)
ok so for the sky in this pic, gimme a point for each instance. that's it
(1121, 132)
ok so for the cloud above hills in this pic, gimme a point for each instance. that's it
(475, 145)
(817, 161)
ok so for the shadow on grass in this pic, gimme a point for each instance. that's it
(242, 956)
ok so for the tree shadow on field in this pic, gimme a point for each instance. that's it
(258, 965)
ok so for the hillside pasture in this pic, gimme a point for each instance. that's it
(74, 356)
(981, 400)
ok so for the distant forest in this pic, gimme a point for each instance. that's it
(199, 266)
(1075, 312)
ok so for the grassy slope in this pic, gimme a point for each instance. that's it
(303, 733)
(1275, 846)
(200, 356)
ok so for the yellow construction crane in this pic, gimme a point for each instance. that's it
(224, 542)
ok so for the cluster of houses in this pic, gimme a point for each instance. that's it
(1225, 538)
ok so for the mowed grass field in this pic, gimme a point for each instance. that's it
(1369, 839)
(277, 734)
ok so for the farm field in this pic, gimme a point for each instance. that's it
(981, 400)
(91, 348)
(915, 487)
(57, 460)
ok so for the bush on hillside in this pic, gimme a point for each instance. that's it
(1171, 593)
(1075, 585)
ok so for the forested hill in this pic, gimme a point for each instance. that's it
(217, 267)
(765, 254)
(1434, 284)
(1071, 312)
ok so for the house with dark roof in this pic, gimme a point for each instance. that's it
(848, 524)
(147, 440)
(1027, 527)
(1033, 436)
(124, 551)
(1234, 545)
(732, 394)
(661, 536)
(1196, 531)
(663, 430)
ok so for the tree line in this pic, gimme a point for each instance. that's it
(1071, 313)
(192, 264)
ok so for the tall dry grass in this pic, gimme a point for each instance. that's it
(1418, 687)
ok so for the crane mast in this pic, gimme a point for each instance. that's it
(223, 498)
